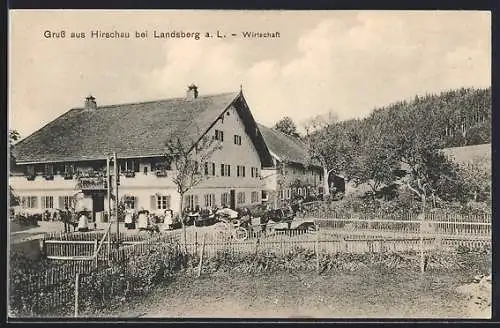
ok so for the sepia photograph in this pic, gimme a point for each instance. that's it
(249, 164)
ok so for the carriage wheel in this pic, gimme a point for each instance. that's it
(240, 234)
(221, 229)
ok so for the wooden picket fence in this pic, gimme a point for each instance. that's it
(402, 227)
(326, 241)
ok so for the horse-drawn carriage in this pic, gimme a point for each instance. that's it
(243, 224)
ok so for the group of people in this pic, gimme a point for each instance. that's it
(79, 220)
(143, 220)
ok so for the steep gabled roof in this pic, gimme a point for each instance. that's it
(132, 130)
(286, 148)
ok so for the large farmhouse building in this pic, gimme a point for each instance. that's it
(54, 164)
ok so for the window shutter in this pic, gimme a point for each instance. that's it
(168, 202)
(135, 201)
(196, 201)
(152, 204)
(61, 202)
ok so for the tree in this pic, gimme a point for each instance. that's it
(13, 137)
(187, 160)
(373, 163)
(413, 132)
(331, 145)
(287, 126)
(477, 180)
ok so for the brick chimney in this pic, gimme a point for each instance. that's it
(90, 103)
(192, 92)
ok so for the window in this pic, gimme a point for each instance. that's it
(29, 201)
(145, 170)
(206, 168)
(255, 172)
(209, 200)
(237, 139)
(264, 195)
(128, 165)
(225, 170)
(65, 201)
(69, 168)
(224, 199)
(47, 202)
(131, 201)
(30, 170)
(240, 198)
(49, 169)
(255, 196)
(219, 135)
(209, 168)
(162, 202)
(240, 171)
(191, 201)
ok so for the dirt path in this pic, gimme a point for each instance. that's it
(285, 295)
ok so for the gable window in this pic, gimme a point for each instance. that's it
(47, 202)
(240, 171)
(237, 139)
(225, 170)
(219, 135)
(213, 169)
(206, 168)
(255, 172)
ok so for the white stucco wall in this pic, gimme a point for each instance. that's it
(143, 186)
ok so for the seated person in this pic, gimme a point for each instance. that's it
(83, 222)
(143, 220)
(168, 219)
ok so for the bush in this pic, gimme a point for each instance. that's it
(131, 277)
(30, 220)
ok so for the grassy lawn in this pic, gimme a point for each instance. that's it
(365, 294)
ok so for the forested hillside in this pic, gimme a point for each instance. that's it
(400, 145)
(461, 117)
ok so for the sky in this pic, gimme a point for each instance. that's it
(345, 62)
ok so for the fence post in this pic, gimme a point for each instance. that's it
(317, 249)
(201, 255)
(96, 259)
(77, 287)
